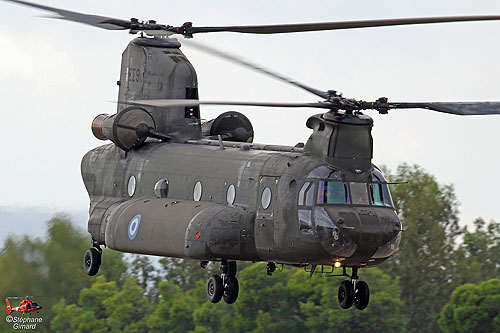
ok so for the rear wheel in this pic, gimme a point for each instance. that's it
(92, 261)
(346, 294)
(215, 289)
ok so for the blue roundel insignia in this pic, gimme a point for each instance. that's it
(133, 226)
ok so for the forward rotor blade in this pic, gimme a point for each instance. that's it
(255, 67)
(194, 102)
(458, 108)
(104, 22)
(303, 27)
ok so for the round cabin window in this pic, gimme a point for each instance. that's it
(161, 188)
(230, 194)
(266, 198)
(131, 186)
(197, 191)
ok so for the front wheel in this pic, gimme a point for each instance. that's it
(231, 289)
(346, 294)
(361, 295)
(215, 288)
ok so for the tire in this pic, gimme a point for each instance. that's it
(346, 294)
(231, 268)
(215, 289)
(231, 289)
(91, 261)
(361, 295)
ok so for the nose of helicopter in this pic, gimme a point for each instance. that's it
(358, 233)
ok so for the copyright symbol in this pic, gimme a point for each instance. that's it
(9, 319)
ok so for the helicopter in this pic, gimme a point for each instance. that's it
(26, 305)
(170, 185)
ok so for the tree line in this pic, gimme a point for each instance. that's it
(444, 278)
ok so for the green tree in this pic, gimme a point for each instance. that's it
(473, 308)
(174, 311)
(426, 261)
(478, 257)
(184, 272)
(142, 269)
(105, 307)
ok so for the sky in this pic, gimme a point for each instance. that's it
(56, 76)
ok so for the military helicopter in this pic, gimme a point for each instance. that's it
(26, 305)
(171, 185)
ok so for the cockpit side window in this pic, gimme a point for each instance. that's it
(306, 198)
(332, 192)
(379, 190)
(306, 194)
(376, 194)
(310, 195)
(305, 221)
(302, 193)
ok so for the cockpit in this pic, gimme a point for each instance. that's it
(333, 189)
(325, 187)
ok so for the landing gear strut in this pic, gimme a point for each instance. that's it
(92, 259)
(224, 286)
(353, 291)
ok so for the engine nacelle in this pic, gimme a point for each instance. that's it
(125, 128)
(231, 126)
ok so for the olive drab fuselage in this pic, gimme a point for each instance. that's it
(194, 197)
(213, 229)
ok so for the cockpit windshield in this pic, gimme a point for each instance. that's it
(332, 192)
(336, 190)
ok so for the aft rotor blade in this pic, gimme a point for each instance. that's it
(303, 27)
(104, 22)
(239, 61)
(458, 108)
(194, 102)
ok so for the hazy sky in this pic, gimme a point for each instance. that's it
(56, 76)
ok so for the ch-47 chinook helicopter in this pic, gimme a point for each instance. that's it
(170, 185)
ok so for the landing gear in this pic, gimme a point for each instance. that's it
(270, 268)
(92, 260)
(224, 286)
(354, 292)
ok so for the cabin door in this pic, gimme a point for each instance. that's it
(265, 217)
